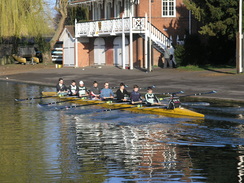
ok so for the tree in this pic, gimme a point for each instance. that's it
(61, 8)
(219, 17)
(23, 18)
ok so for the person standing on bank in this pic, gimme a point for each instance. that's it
(106, 92)
(122, 94)
(60, 87)
(167, 57)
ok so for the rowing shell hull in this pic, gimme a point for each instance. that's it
(177, 112)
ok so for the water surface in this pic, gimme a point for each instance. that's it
(86, 144)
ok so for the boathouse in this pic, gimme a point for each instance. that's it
(125, 33)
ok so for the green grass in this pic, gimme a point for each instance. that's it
(205, 67)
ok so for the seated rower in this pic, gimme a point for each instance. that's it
(95, 91)
(73, 89)
(151, 98)
(122, 94)
(106, 92)
(135, 96)
(82, 91)
(61, 88)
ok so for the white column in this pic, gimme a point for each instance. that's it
(240, 37)
(131, 40)
(146, 42)
(123, 42)
(150, 39)
(76, 44)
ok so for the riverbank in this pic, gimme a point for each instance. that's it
(228, 85)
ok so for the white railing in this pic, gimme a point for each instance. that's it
(109, 26)
(158, 37)
(115, 26)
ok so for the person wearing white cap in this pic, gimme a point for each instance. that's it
(82, 90)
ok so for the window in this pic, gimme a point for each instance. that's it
(168, 8)
(96, 11)
(108, 10)
(128, 6)
(116, 9)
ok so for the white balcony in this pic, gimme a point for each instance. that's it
(110, 27)
(118, 26)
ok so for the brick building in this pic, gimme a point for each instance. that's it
(128, 33)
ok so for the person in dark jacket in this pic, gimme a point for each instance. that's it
(122, 94)
(135, 96)
(60, 87)
(95, 91)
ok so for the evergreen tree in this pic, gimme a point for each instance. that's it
(219, 17)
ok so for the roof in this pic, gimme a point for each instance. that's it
(70, 30)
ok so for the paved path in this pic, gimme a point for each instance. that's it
(228, 85)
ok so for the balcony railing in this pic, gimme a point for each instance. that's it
(118, 26)
(109, 27)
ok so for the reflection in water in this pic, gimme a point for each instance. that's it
(46, 144)
(150, 153)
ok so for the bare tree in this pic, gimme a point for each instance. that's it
(61, 7)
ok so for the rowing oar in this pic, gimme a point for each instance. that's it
(24, 99)
(153, 86)
(120, 108)
(114, 87)
(173, 93)
(196, 94)
(76, 106)
(51, 103)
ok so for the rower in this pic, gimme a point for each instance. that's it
(135, 96)
(106, 92)
(73, 89)
(122, 94)
(61, 88)
(95, 91)
(82, 91)
(151, 98)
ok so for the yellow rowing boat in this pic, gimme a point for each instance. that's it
(177, 112)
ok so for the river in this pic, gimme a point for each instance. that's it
(86, 144)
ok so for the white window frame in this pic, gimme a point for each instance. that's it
(170, 9)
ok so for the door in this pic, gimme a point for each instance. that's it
(68, 48)
(118, 56)
(99, 51)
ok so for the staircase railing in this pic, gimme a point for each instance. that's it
(158, 37)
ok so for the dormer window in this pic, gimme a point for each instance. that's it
(168, 8)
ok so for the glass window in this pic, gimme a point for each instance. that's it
(108, 10)
(168, 8)
(96, 11)
(127, 7)
(116, 9)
